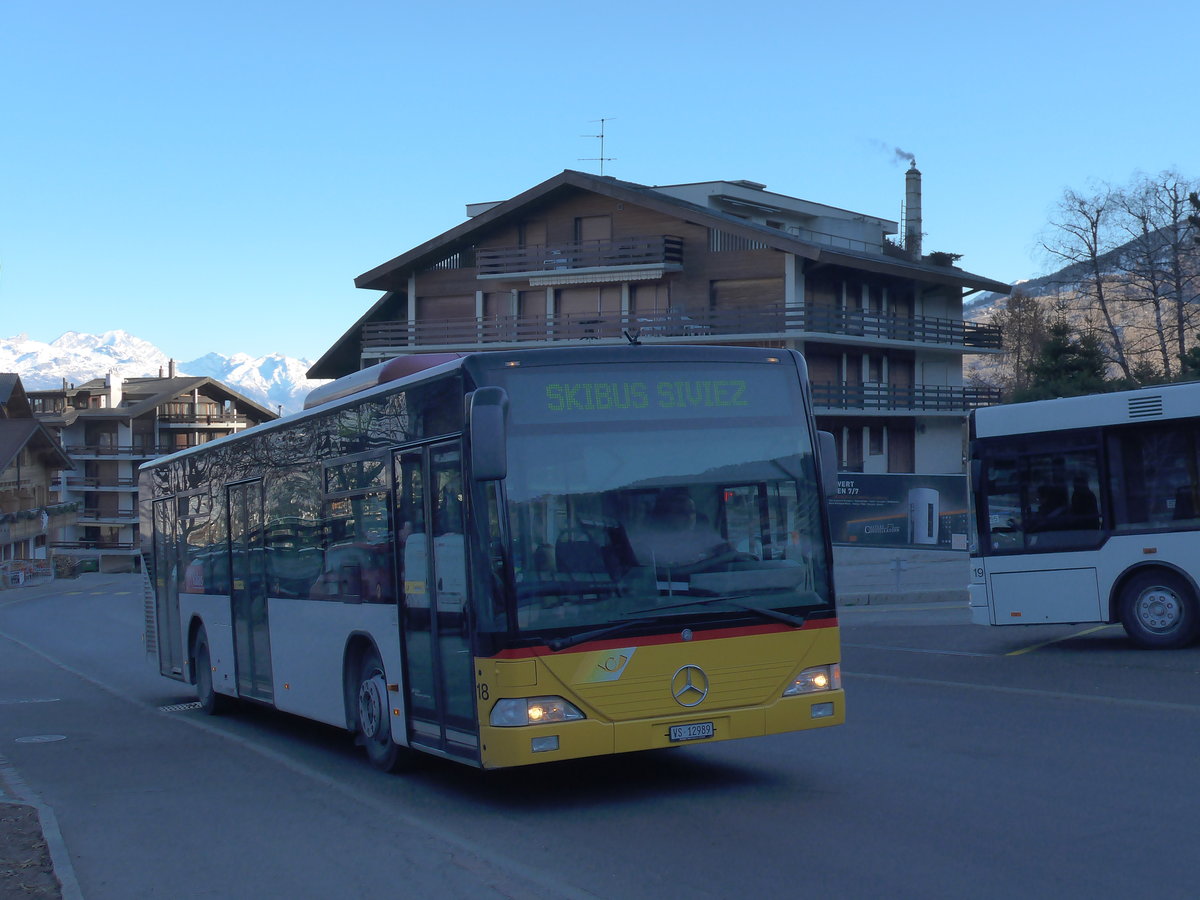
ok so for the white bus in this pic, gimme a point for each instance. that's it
(1086, 510)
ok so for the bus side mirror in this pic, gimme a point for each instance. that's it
(829, 459)
(489, 434)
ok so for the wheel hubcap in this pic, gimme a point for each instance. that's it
(1159, 609)
(371, 706)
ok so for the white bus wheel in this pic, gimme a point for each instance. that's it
(210, 701)
(1159, 611)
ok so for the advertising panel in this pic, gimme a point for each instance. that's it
(916, 511)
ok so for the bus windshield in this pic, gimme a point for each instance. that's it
(662, 491)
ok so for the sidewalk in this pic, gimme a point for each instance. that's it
(866, 576)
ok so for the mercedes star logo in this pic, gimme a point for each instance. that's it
(689, 686)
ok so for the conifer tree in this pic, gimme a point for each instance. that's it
(1068, 365)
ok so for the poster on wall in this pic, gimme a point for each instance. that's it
(914, 511)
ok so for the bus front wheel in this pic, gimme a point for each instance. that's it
(210, 701)
(1159, 610)
(373, 725)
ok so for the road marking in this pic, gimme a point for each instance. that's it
(1161, 705)
(918, 650)
(32, 700)
(1067, 637)
(461, 846)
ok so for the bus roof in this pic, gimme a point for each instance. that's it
(414, 368)
(1161, 401)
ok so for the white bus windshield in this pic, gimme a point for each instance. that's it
(662, 491)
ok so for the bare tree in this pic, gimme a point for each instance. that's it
(1160, 263)
(1083, 239)
(1023, 323)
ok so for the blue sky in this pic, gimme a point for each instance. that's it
(212, 176)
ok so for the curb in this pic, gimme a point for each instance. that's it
(12, 786)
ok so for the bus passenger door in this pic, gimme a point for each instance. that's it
(167, 576)
(248, 590)
(439, 682)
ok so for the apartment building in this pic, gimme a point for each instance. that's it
(580, 259)
(30, 456)
(109, 426)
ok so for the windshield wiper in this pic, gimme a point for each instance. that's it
(731, 599)
(583, 637)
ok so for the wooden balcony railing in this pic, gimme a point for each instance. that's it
(661, 249)
(920, 398)
(775, 321)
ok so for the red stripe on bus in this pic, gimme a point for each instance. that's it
(656, 639)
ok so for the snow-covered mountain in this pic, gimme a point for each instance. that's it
(274, 381)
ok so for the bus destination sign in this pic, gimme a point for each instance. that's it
(654, 395)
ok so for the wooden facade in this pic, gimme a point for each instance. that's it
(581, 259)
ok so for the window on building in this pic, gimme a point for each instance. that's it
(593, 228)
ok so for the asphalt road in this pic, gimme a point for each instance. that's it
(1048, 761)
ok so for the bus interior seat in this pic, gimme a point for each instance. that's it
(1185, 503)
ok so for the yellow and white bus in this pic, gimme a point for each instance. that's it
(511, 557)
(1087, 509)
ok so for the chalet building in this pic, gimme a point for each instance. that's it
(30, 457)
(581, 259)
(110, 426)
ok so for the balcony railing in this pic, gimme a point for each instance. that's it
(194, 419)
(78, 482)
(919, 398)
(128, 546)
(114, 450)
(653, 250)
(115, 515)
(772, 321)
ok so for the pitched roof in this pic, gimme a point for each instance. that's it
(147, 394)
(392, 275)
(12, 394)
(15, 434)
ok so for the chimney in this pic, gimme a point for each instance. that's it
(171, 362)
(114, 382)
(912, 210)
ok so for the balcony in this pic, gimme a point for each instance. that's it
(701, 326)
(25, 524)
(658, 252)
(923, 398)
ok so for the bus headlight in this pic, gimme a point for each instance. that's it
(534, 711)
(817, 678)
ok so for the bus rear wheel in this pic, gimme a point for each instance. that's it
(1159, 610)
(210, 701)
(373, 725)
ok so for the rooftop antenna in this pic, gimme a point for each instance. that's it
(602, 159)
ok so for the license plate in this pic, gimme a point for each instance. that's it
(693, 732)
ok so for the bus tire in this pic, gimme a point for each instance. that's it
(210, 701)
(372, 715)
(1159, 611)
